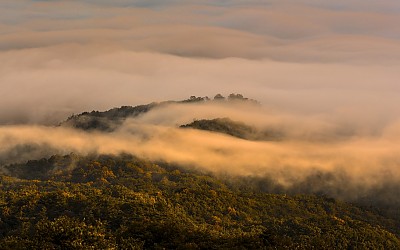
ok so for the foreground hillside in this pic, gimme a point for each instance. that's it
(110, 202)
(197, 181)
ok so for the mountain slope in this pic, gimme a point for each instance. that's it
(125, 202)
(107, 120)
(111, 119)
(233, 128)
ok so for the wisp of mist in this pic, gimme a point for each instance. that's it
(357, 159)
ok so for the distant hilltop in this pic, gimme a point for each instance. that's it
(219, 97)
(109, 120)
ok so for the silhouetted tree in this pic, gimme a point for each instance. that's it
(219, 97)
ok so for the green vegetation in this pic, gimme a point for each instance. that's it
(107, 120)
(233, 128)
(123, 202)
(110, 120)
(110, 202)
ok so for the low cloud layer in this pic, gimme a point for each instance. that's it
(48, 91)
(326, 73)
(64, 57)
(362, 161)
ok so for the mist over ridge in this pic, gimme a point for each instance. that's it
(59, 58)
(313, 154)
(289, 136)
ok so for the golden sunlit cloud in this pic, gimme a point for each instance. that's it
(325, 73)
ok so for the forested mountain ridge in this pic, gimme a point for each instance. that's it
(111, 119)
(122, 202)
(94, 200)
(107, 120)
(236, 129)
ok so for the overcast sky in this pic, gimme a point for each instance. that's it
(304, 56)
